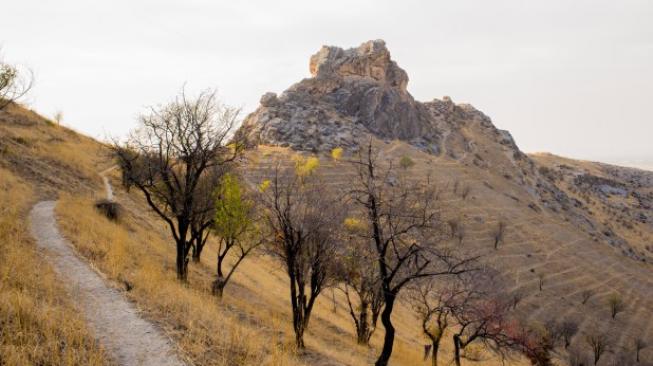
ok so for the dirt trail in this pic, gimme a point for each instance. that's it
(107, 185)
(128, 338)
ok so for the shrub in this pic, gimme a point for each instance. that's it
(112, 210)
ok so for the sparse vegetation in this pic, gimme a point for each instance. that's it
(403, 222)
(599, 343)
(301, 219)
(616, 303)
(360, 281)
(110, 209)
(176, 158)
(14, 83)
(406, 162)
(236, 226)
(498, 234)
(38, 325)
(639, 344)
(336, 153)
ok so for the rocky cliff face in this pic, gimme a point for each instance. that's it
(353, 93)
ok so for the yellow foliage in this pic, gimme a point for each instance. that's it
(336, 153)
(354, 224)
(265, 184)
(306, 166)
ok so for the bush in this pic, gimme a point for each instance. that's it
(112, 210)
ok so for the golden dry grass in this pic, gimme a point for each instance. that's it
(205, 331)
(252, 324)
(38, 326)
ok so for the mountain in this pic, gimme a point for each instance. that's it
(577, 226)
(573, 227)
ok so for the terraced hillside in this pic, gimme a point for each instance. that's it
(576, 233)
(41, 160)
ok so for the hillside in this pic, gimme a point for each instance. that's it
(41, 160)
(570, 227)
(576, 226)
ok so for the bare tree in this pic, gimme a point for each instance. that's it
(576, 358)
(540, 280)
(639, 344)
(499, 234)
(515, 298)
(616, 303)
(58, 117)
(433, 303)
(236, 225)
(585, 295)
(14, 83)
(482, 315)
(466, 190)
(302, 218)
(457, 229)
(360, 281)
(404, 231)
(568, 330)
(598, 342)
(176, 158)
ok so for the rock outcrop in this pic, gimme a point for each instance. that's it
(353, 93)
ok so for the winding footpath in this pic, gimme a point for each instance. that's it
(128, 338)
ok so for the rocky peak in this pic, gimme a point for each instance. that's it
(369, 60)
(351, 94)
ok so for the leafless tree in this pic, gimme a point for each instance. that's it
(58, 117)
(433, 303)
(466, 190)
(639, 344)
(540, 280)
(361, 284)
(176, 158)
(568, 330)
(576, 358)
(616, 303)
(457, 229)
(515, 298)
(303, 220)
(598, 342)
(14, 83)
(585, 295)
(621, 358)
(482, 315)
(499, 234)
(404, 231)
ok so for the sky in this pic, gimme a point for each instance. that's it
(569, 77)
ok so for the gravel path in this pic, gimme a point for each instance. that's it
(128, 338)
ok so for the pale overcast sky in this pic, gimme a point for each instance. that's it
(567, 76)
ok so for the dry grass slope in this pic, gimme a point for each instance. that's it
(252, 324)
(38, 325)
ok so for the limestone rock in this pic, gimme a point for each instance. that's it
(351, 94)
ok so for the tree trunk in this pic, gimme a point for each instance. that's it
(195, 254)
(363, 328)
(299, 337)
(220, 282)
(434, 352)
(389, 338)
(456, 344)
(182, 263)
(218, 285)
